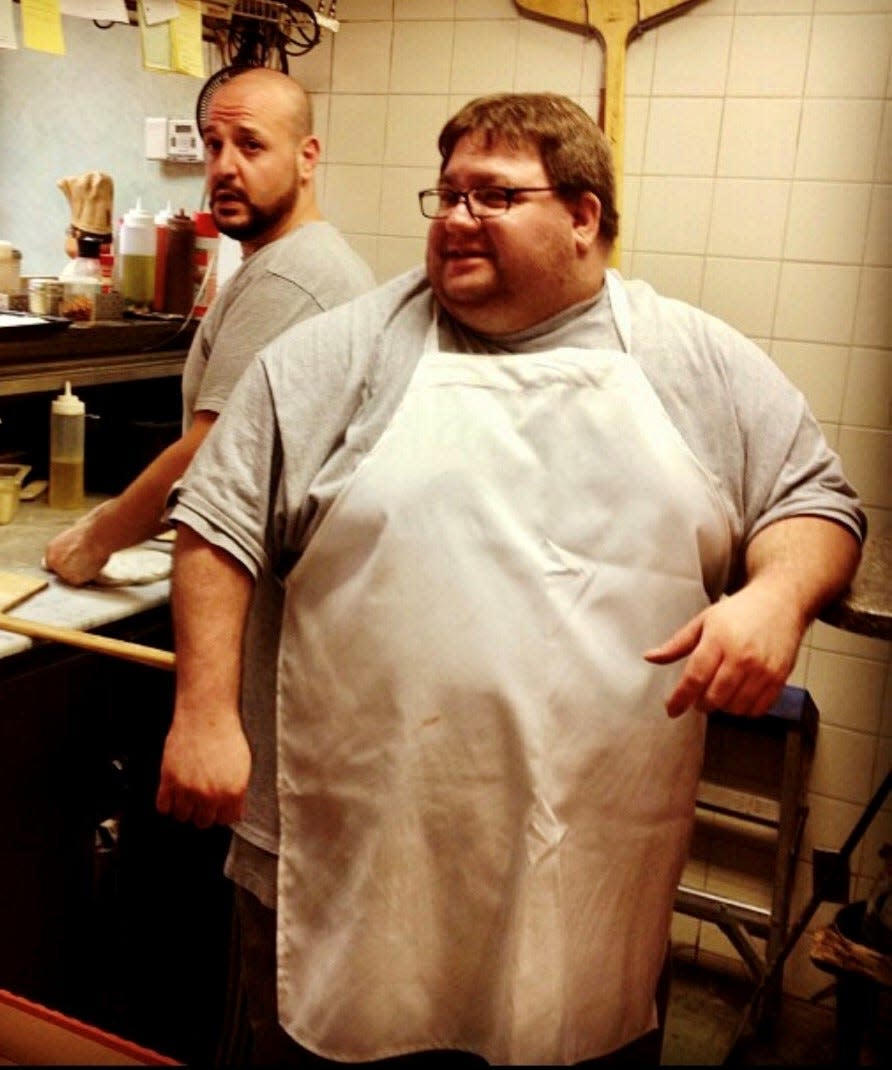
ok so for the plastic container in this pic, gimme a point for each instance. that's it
(9, 498)
(79, 299)
(10, 269)
(81, 280)
(136, 248)
(67, 423)
(161, 220)
(207, 240)
(179, 289)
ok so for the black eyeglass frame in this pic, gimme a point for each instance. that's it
(466, 196)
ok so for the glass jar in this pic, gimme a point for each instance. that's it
(44, 296)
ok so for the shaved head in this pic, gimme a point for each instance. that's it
(285, 95)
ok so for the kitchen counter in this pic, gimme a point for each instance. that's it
(22, 543)
(866, 608)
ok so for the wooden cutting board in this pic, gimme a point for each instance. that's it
(616, 23)
(15, 588)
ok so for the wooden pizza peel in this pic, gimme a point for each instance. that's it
(616, 23)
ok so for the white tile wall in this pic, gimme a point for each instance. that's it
(878, 241)
(758, 183)
(759, 137)
(742, 292)
(769, 55)
(748, 217)
(422, 57)
(682, 136)
(869, 388)
(849, 55)
(817, 302)
(827, 221)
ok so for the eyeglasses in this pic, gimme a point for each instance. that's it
(482, 202)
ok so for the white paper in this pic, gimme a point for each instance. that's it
(6, 320)
(156, 11)
(7, 26)
(100, 10)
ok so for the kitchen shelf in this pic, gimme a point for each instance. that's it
(95, 354)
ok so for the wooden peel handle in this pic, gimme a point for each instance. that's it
(98, 644)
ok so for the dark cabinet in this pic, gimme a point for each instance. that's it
(109, 912)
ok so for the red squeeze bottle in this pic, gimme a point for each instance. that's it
(161, 219)
(179, 288)
(207, 238)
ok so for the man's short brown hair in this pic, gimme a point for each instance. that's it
(574, 150)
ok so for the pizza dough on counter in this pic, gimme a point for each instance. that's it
(136, 566)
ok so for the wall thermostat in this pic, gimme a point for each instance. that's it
(173, 139)
(183, 142)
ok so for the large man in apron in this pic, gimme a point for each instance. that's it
(501, 534)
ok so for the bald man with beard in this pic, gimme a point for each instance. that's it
(261, 156)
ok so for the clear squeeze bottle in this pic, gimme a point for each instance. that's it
(137, 244)
(67, 420)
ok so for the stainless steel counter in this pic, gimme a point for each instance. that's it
(22, 543)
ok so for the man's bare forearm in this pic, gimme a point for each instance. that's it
(207, 761)
(210, 595)
(810, 559)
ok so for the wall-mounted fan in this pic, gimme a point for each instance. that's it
(264, 33)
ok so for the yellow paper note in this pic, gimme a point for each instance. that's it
(185, 39)
(42, 26)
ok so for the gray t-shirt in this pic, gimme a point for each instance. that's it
(309, 270)
(317, 399)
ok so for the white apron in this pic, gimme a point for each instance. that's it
(485, 809)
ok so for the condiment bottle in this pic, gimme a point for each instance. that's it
(207, 239)
(179, 290)
(67, 421)
(161, 218)
(136, 246)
